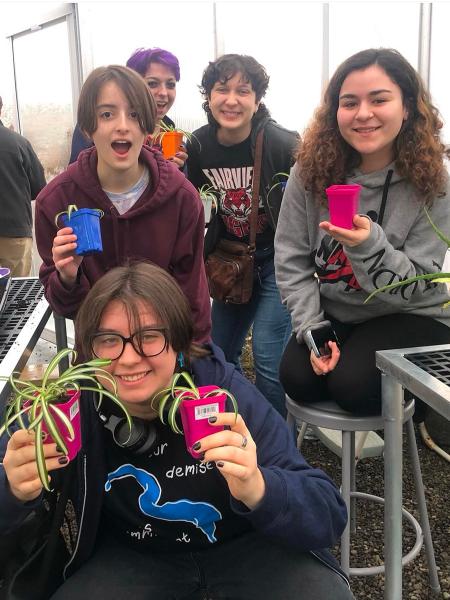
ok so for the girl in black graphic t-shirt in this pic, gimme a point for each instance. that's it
(221, 155)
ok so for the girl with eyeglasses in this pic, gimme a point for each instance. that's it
(161, 524)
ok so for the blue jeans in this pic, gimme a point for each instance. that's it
(271, 332)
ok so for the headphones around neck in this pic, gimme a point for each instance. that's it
(142, 439)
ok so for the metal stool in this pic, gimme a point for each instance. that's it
(330, 415)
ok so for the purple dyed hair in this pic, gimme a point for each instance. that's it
(142, 57)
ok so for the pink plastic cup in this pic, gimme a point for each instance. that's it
(343, 202)
(195, 414)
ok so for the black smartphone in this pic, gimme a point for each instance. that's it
(316, 340)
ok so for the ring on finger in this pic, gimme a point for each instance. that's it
(244, 441)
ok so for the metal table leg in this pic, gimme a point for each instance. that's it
(392, 408)
(61, 340)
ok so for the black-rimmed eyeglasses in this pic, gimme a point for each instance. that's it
(146, 342)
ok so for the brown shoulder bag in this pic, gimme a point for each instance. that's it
(230, 267)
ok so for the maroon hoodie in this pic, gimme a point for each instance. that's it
(165, 226)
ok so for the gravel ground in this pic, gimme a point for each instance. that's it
(367, 543)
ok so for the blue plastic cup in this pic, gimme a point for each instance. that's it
(85, 223)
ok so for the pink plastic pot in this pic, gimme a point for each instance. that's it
(195, 414)
(343, 202)
(71, 408)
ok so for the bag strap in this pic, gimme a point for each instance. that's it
(387, 183)
(255, 189)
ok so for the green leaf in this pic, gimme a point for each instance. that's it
(435, 277)
(65, 420)
(40, 458)
(229, 395)
(439, 233)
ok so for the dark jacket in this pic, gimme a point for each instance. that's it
(301, 508)
(279, 145)
(165, 226)
(21, 180)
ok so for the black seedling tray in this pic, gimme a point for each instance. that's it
(22, 298)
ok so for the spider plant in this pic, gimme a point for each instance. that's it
(34, 406)
(209, 200)
(72, 208)
(176, 394)
(433, 277)
(279, 181)
(165, 128)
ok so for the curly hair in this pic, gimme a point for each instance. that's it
(225, 68)
(326, 158)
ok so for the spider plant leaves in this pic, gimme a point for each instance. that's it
(208, 193)
(228, 395)
(165, 128)
(175, 394)
(434, 277)
(34, 405)
(70, 209)
(73, 208)
(40, 459)
(279, 182)
(438, 232)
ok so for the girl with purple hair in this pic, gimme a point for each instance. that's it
(161, 70)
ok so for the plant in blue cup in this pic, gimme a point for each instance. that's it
(85, 223)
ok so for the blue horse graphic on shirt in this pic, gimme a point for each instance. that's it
(201, 514)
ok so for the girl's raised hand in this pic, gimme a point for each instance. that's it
(349, 237)
(234, 452)
(64, 257)
(20, 465)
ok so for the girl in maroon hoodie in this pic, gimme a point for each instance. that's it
(151, 212)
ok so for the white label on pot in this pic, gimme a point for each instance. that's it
(74, 410)
(205, 411)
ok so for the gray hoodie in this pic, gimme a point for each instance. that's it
(316, 275)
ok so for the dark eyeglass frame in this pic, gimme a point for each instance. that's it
(126, 340)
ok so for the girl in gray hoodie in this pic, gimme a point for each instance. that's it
(377, 128)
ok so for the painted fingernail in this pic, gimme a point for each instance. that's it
(212, 419)
(196, 446)
(59, 449)
(220, 464)
(63, 460)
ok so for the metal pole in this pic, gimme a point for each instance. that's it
(61, 340)
(392, 408)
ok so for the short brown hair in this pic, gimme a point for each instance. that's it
(132, 85)
(133, 285)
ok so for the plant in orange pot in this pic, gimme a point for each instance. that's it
(171, 139)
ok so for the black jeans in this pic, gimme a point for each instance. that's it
(355, 383)
(247, 568)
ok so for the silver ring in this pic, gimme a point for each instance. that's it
(244, 441)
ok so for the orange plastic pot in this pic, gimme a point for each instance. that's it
(171, 143)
